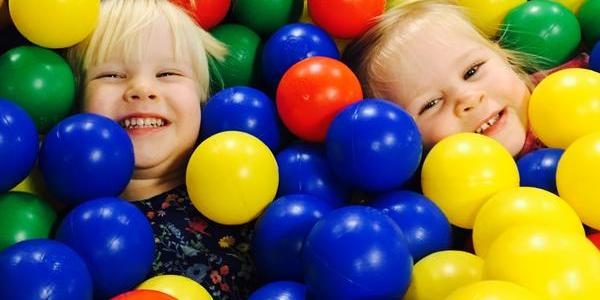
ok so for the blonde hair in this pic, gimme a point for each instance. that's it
(371, 53)
(122, 29)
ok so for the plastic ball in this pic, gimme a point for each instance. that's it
(594, 63)
(312, 92)
(143, 295)
(34, 184)
(272, 15)
(39, 81)
(43, 269)
(180, 287)
(242, 180)
(243, 46)
(55, 23)
(538, 168)
(489, 14)
(345, 19)
(291, 44)
(569, 97)
(356, 252)
(303, 169)
(390, 145)
(553, 263)
(437, 275)
(243, 109)
(544, 29)
(519, 206)
(208, 13)
(493, 290)
(595, 239)
(86, 156)
(280, 232)
(18, 145)
(280, 290)
(577, 178)
(572, 5)
(4, 15)
(24, 216)
(589, 22)
(425, 227)
(462, 171)
(116, 241)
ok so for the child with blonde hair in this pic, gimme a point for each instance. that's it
(146, 66)
(429, 58)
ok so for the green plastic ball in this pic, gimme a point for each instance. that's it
(589, 19)
(544, 29)
(40, 81)
(241, 65)
(24, 216)
(266, 16)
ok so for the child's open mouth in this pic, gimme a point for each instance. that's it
(488, 124)
(136, 123)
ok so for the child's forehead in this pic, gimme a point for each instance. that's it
(155, 42)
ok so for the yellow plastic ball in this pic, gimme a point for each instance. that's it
(462, 171)
(493, 290)
(488, 15)
(4, 15)
(55, 23)
(578, 179)
(572, 5)
(553, 263)
(305, 17)
(33, 183)
(231, 177)
(177, 286)
(519, 206)
(437, 275)
(565, 106)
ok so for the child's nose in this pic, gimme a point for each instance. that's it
(140, 91)
(468, 102)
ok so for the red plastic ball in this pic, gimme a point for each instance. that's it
(143, 295)
(595, 238)
(208, 13)
(345, 19)
(312, 92)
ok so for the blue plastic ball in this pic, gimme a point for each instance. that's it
(115, 240)
(594, 63)
(423, 224)
(303, 169)
(86, 156)
(280, 290)
(43, 269)
(291, 44)
(538, 168)
(18, 144)
(374, 145)
(356, 252)
(242, 109)
(280, 233)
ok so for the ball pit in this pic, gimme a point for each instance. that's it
(479, 190)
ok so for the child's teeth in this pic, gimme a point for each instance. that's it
(487, 124)
(142, 123)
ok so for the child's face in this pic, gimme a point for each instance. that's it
(156, 101)
(451, 83)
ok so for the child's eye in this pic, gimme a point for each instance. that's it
(472, 71)
(430, 104)
(165, 74)
(110, 75)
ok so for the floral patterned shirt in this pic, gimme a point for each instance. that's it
(187, 243)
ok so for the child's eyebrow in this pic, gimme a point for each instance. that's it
(467, 54)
